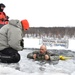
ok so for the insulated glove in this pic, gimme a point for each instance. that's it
(7, 17)
(22, 43)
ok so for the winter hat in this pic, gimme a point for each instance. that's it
(2, 5)
(25, 24)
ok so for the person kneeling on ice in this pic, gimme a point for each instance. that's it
(43, 54)
(11, 40)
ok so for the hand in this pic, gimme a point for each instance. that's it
(46, 57)
(7, 17)
(22, 43)
(34, 56)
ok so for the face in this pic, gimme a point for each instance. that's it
(42, 49)
(2, 8)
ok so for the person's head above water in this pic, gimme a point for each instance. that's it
(43, 49)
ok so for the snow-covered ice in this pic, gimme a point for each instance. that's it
(31, 67)
(35, 43)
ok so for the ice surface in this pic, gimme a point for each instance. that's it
(31, 67)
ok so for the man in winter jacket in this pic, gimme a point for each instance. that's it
(42, 54)
(11, 40)
(3, 17)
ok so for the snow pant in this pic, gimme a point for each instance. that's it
(9, 55)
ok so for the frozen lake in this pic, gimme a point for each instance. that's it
(30, 67)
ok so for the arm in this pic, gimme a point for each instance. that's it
(32, 55)
(51, 56)
(3, 17)
(14, 38)
(6, 17)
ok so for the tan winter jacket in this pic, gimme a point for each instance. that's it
(11, 35)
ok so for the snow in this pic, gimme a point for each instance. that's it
(30, 67)
(31, 43)
(36, 43)
(72, 44)
(11, 71)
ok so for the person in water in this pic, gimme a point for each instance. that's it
(11, 40)
(44, 54)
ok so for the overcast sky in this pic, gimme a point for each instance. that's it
(44, 13)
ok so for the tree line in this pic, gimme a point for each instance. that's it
(56, 32)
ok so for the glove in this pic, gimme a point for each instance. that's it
(22, 43)
(7, 17)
